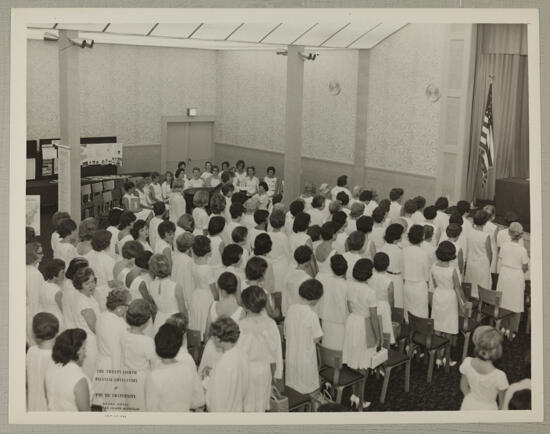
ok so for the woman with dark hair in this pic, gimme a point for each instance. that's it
(448, 297)
(392, 238)
(140, 233)
(416, 274)
(261, 342)
(85, 312)
(70, 292)
(67, 387)
(480, 255)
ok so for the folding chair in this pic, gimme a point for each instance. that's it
(401, 328)
(422, 336)
(466, 325)
(489, 306)
(395, 359)
(339, 375)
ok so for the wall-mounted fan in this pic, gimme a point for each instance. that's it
(432, 93)
(334, 87)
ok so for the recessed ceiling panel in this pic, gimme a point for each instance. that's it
(377, 35)
(320, 33)
(130, 29)
(215, 31)
(179, 30)
(84, 27)
(349, 34)
(288, 33)
(252, 32)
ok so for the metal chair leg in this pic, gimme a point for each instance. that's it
(387, 372)
(431, 365)
(466, 345)
(407, 376)
(339, 393)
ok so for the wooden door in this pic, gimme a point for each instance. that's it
(191, 142)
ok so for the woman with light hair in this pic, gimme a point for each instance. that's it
(514, 262)
(308, 195)
(176, 200)
(481, 382)
(167, 294)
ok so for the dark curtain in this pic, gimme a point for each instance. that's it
(501, 52)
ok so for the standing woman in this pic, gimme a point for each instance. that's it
(34, 281)
(480, 255)
(251, 181)
(127, 219)
(86, 312)
(416, 274)
(86, 230)
(167, 294)
(392, 238)
(166, 186)
(177, 203)
(140, 233)
(67, 387)
(102, 264)
(514, 262)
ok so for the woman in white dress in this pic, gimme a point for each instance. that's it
(332, 308)
(324, 251)
(416, 274)
(227, 384)
(481, 382)
(130, 251)
(67, 386)
(480, 254)
(182, 266)
(514, 262)
(383, 285)
(86, 229)
(167, 294)
(392, 238)
(215, 231)
(166, 186)
(66, 248)
(109, 328)
(140, 233)
(51, 294)
(34, 281)
(280, 250)
(137, 351)
(178, 205)
(103, 265)
(430, 214)
(299, 237)
(70, 292)
(448, 297)
(127, 219)
(86, 312)
(226, 306)
(113, 220)
(260, 340)
(362, 337)
(200, 216)
(453, 235)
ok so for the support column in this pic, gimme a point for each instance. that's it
(361, 122)
(69, 120)
(293, 123)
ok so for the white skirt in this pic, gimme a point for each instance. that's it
(416, 298)
(445, 311)
(511, 282)
(355, 352)
(259, 387)
(333, 335)
(397, 280)
(471, 403)
(478, 272)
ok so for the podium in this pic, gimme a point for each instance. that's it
(512, 195)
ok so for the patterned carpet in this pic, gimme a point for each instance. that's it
(443, 393)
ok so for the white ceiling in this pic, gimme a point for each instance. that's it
(231, 36)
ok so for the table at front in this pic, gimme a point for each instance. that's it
(512, 195)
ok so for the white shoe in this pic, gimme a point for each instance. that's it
(452, 363)
(354, 400)
(439, 362)
(366, 404)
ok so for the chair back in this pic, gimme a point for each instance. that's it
(385, 342)
(422, 326)
(491, 298)
(332, 359)
(467, 289)
(398, 315)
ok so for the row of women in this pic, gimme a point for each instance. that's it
(325, 270)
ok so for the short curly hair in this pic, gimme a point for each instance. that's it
(138, 313)
(446, 251)
(200, 198)
(487, 343)
(116, 298)
(81, 276)
(362, 270)
(254, 299)
(67, 345)
(201, 246)
(159, 266)
(132, 249)
(393, 233)
(217, 203)
(225, 329)
(101, 240)
(311, 290)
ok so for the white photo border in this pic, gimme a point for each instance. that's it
(21, 18)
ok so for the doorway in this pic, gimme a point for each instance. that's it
(186, 139)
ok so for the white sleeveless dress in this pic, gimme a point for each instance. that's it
(416, 273)
(82, 302)
(444, 303)
(163, 292)
(478, 269)
(380, 282)
(395, 270)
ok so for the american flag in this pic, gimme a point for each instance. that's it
(486, 145)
